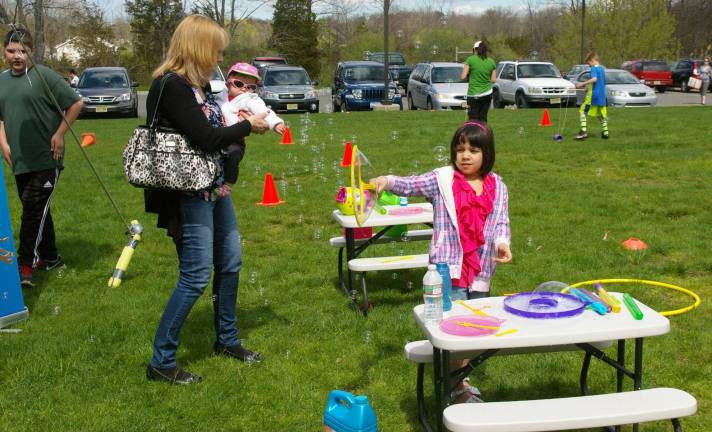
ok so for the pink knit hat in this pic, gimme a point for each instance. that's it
(244, 69)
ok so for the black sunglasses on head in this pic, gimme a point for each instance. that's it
(239, 84)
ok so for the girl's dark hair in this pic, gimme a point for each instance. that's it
(20, 36)
(481, 50)
(478, 135)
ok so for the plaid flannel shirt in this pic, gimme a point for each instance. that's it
(445, 246)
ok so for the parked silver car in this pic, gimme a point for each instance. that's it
(622, 89)
(437, 85)
(288, 89)
(107, 90)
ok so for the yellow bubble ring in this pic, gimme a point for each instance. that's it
(674, 312)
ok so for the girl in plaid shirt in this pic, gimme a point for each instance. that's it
(471, 218)
(470, 205)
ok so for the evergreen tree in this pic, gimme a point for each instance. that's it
(294, 34)
(152, 25)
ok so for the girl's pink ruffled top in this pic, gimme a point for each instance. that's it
(472, 211)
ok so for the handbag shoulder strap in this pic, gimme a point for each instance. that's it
(152, 125)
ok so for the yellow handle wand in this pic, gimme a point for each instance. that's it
(125, 259)
(469, 324)
(477, 312)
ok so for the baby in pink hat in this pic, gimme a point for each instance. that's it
(242, 80)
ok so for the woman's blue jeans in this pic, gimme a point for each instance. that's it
(210, 239)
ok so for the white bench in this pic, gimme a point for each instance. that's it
(421, 352)
(572, 413)
(363, 265)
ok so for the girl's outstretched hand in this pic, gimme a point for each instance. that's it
(504, 254)
(380, 183)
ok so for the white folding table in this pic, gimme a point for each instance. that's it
(580, 330)
(377, 220)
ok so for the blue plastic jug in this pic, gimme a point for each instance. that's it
(348, 413)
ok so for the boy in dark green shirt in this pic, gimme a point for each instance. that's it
(34, 131)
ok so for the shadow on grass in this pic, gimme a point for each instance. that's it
(549, 389)
(78, 254)
(199, 334)
(383, 289)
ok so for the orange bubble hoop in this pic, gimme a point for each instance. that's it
(696, 298)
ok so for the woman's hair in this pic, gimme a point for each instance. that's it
(480, 49)
(194, 48)
(478, 135)
(21, 36)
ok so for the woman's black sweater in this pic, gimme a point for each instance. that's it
(178, 109)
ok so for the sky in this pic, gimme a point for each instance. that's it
(115, 8)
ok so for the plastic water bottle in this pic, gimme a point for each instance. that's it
(348, 413)
(444, 271)
(433, 296)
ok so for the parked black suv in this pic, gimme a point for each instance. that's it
(359, 85)
(108, 90)
(396, 64)
(682, 70)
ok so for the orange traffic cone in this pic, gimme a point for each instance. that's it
(634, 243)
(269, 194)
(88, 139)
(545, 120)
(346, 160)
(287, 136)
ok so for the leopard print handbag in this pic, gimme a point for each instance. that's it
(159, 158)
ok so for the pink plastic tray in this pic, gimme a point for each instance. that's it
(405, 211)
(462, 325)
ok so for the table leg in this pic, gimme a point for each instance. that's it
(638, 372)
(447, 387)
(583, 379)
(621, 361)
(619, 373)
(437, 386)
(342, 282)
(365, 294)
(422, 412)
(350, 254)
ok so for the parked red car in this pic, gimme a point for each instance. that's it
(653, 73)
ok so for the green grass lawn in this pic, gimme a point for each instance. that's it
(78, 364)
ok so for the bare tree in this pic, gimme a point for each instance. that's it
(4, 17)
(39, 16)
(227, 12)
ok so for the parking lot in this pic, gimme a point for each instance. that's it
(670, 98)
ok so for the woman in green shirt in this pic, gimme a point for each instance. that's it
(481, 72)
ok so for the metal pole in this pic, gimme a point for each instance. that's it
(386, 6)
(583, 21)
